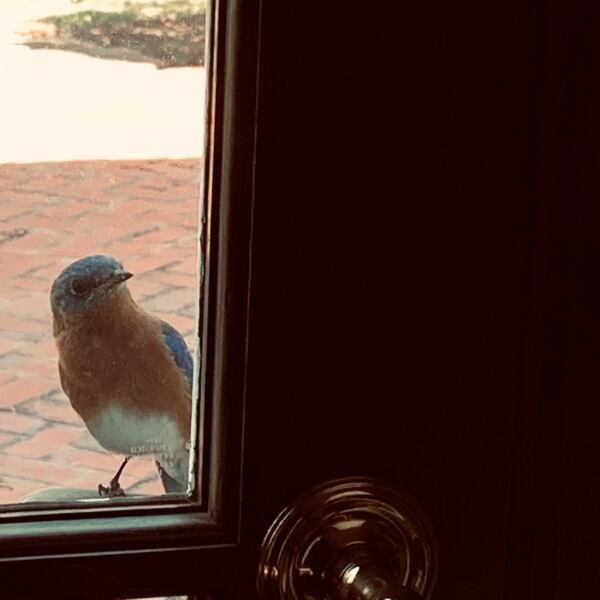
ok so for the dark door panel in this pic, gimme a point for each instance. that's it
(395, 216)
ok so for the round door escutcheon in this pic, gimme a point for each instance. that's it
(354, 538)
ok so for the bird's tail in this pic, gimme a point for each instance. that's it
(173, 472)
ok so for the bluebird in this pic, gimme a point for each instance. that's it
(127, 373)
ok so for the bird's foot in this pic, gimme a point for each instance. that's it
(114, 489)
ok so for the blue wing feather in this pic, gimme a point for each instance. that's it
(178, 350)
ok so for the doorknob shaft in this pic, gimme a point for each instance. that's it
(356, 581)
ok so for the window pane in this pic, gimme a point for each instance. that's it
(102, 126)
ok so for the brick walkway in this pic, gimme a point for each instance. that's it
(142, 212)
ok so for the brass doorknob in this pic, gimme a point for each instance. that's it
(349, 539)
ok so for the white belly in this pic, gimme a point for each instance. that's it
(131, 433)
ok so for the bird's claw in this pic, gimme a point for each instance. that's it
(114, 490)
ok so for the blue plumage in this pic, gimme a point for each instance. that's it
(127, 373)
(179, 351)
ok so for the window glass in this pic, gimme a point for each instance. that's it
(102, 127)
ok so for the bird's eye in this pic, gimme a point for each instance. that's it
(81, 287)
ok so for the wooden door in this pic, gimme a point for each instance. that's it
(396, 218)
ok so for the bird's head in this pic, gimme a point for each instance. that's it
(86, 286)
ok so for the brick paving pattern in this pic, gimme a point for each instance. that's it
(145, 213)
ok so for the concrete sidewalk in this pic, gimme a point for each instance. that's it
(59, 106)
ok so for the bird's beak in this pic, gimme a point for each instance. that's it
(119, 277)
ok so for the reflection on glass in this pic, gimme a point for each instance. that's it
(102, 137)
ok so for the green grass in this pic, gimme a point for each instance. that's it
(168, 33)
